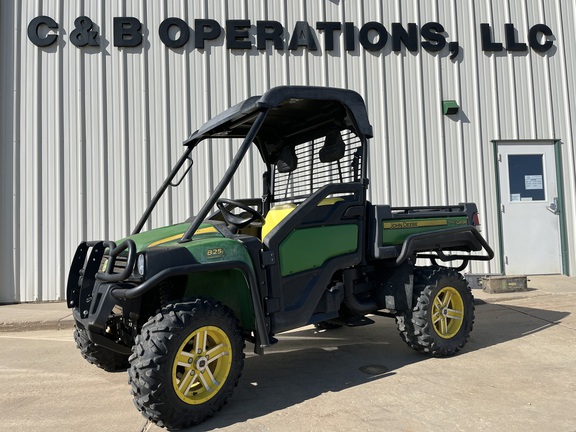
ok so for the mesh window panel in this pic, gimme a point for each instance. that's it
(311, 174)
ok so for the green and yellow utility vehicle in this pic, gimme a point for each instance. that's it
(176, 305)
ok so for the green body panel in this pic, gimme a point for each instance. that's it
(309, 248)
(207, 246)
(395, 231)
(169, 235)
(227, 286)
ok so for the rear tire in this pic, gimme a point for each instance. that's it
(110, 361)
(442, 317)
(186, 362)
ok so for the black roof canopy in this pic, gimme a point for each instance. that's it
(295, 114)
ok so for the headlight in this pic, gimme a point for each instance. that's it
(140, 264)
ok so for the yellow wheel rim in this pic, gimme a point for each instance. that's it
(202, 365)
(447, 312)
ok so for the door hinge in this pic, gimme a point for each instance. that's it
(499, 157)
(502, 208)
(506, 259)
(268, 258)
(271, 305)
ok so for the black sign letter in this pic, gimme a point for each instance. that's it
(302, 36)
(262, 34)
(237, 36)
(329, 27)
(435, 40)
(206, 29)
(165, 35)
(534, 41)
(487, 43)
(408, 38)
(379, 42)
(127, 32)
(349, 31)
(511, 43)
(33, 31)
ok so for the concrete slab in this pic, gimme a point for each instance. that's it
(517, 373)
(35, 316)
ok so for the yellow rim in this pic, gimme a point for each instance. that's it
(447, 312)
(202, 365)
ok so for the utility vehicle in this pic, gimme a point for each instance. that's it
(176, 305)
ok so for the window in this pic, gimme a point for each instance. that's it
(312, 173)
(526, 176)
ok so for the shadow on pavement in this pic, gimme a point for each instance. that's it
(307, 363)
(500, 323)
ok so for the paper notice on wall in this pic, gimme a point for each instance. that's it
(533, 182)
(515, 197)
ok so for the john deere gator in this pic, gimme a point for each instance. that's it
(176, 305)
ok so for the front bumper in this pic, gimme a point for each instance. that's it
(89, 291)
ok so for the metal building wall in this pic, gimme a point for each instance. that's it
(87, 134)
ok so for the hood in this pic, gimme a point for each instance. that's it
(169, 235)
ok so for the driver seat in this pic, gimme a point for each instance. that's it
(275, 216)
(279, 212)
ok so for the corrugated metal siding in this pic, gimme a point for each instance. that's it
(88, 134)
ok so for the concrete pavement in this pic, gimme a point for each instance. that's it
(517, 373)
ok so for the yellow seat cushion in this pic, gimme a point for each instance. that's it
(275, 216)
(278, 213)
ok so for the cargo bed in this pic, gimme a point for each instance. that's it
(434, 232)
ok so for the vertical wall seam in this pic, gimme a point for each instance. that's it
(17, 289)
(481, 156)
(59, 233)
(36, 186)
(530, 78)
(463, 177)
(512, 80)
(144, 108)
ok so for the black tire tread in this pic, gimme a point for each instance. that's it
(97, 355)
(414, 325)
(152, 350)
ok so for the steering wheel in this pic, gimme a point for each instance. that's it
(239, 221)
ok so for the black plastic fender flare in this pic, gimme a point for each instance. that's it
(261, 332)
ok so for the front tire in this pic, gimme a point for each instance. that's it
(186, 362)
(97, 355)
(443, 314)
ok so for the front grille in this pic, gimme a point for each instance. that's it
(119, 265)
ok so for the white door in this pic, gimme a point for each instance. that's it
(529, 209)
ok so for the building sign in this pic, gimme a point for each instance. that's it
(245, 35)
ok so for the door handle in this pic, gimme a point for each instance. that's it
(553, 207)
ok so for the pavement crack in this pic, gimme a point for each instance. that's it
(556, 323)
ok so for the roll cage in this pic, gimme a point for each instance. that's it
(334, 121)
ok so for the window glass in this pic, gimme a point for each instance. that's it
(526, 176)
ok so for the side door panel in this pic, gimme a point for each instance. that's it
(310, 245)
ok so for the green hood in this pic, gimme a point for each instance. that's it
(169, 235)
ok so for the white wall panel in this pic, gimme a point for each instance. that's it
(88, 134)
